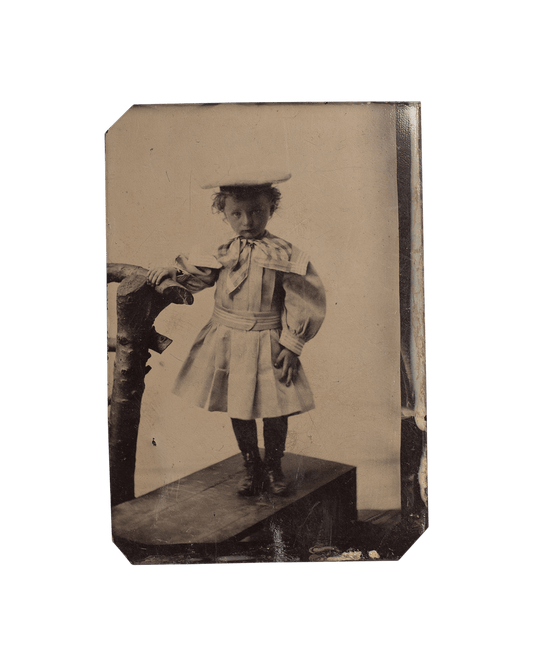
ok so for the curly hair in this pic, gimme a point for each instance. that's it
(242, 193)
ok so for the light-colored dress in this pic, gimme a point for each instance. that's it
(230, 367)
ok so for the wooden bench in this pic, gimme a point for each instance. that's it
(205, 509)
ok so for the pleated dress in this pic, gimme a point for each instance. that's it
(230, 367)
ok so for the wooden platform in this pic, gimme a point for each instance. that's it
(204, 508)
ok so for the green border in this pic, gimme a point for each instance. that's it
(70, 71)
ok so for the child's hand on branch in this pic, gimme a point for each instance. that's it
(289, 362)
(157, 275)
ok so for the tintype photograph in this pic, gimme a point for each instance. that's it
(266, 332)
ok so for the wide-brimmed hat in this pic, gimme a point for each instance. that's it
(254, 180)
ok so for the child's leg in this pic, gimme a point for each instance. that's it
(246, 435)
(275, 435)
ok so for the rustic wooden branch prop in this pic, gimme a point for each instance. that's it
(138, 305)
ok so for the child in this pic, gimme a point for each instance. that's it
(269, 302)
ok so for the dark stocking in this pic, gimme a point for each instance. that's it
(275, 435)
(246, 435)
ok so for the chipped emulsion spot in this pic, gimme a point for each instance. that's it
(423, 478)
(348, 556)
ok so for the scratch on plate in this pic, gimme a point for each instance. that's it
(279, 548)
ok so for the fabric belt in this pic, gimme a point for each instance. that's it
(246, 321)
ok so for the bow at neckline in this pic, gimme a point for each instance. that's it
(237, 256)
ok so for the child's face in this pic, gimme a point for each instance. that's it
(248, 218)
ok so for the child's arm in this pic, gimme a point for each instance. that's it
(194, 275)
(304, 309)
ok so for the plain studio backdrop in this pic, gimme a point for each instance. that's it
(340, 206)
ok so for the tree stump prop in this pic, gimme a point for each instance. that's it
(138, 305)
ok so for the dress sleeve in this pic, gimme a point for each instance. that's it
(304, 309)
(198, 272)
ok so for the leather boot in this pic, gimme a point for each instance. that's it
(277, 483)
(246, 435)
(275, 434)
(252, 482)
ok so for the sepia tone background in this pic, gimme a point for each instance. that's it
(340, 205)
